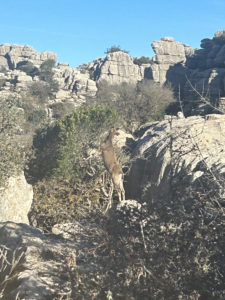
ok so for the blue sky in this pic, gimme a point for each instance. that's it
(80, 31)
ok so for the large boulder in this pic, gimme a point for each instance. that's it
(176, 152)
(15, 200)
(34, 266)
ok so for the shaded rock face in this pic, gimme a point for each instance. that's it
(15, 200)
(174, 152)
(41, 263)
(185, 68)
(76, 80)
(77, 261)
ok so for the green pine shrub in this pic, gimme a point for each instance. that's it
(142, 60)
(28, 67)
(12, 150)
(115, 49)
(136, 104)
(67, 163)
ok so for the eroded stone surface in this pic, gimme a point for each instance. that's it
(178, 148)
(15, 200)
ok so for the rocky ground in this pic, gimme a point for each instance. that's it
(177, 180)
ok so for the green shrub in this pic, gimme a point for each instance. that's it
(136, 105)
(206, 43)
(61, 150)
(115, 49)
(67, 165)
(28, 67)
(2, 82)
(12, 151)
(47, 75)
(142, 60)
(61, 109)
(37, 116)
(40, 90)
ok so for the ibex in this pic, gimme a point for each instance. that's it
(112, 165)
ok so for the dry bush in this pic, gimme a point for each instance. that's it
(172, 249)
(67, 165)
(136, 104)
(10, 264)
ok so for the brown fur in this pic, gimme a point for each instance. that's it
(111, 163)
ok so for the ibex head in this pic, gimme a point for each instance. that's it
(114, 131)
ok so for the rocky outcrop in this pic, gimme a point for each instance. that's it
(42, 266)
(169, 53)
(76, 80)
(19, 53)
(192, 72)
(79, 260)
(117, 67)
(176, 151)
(15, 200)
(174, 62)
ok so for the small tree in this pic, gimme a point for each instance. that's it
(136, 105)
(11, 151)
(206, 43)
(40, 90)
(61, 149)
(28, 67)
(115, 49)
(47, 75)
(142, 60)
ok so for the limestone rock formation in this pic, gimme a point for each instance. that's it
(169, 53)
(18, 53)
(15, 200)
(75, 80)
(207, 69)
(174, 62)
(117, 67)
(177, 149)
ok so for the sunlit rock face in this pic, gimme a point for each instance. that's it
(19, 53)
(174, 63)
(177, 149)
(118, 67)
(15, 200)
(169, 53)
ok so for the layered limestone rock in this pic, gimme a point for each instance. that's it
(117, 67)
(75, 80)
(15, 200)
(18, 53)
(188, 69)
(177, 150)
(207, 70)
(173, 63)
(169, 53)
